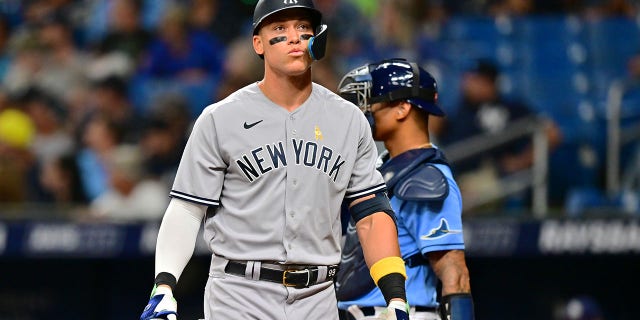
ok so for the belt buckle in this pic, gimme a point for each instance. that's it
(286, 284)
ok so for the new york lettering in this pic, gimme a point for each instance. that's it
(263, 159)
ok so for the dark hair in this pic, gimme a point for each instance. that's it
(37, 95)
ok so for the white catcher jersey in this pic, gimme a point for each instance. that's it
(276, 179)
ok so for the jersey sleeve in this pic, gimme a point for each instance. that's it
(365, 179)
(435, 225)
(201, 171)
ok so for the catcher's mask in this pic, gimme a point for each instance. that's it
(317, 43)
(390, 80)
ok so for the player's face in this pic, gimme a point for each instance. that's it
(284, 39)
(383, 115)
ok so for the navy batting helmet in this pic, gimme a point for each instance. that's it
(265, 8)
(391, 80)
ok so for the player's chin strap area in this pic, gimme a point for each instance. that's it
(318, 43)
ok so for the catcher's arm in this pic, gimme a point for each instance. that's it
(451, 269)
(174, 248)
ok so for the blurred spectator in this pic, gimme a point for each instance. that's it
(50, 141)
(324, 73)
(125, 41)
(100, 136)
(225, 20)
(131, 194)
(174, 110)
(5, 58)
(126, 32)
(430, 24)
(241, 67)
(181, 53)
(349, 39)
(110, 97)
(63, 63)
(484, 111)
(26, 63)
(78, 106)
(394, 29)
(61, 181)
(164, 136)
(45, 55)
(97, 19)
(202, 15)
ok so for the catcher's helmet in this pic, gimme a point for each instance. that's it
(391, 80)
(317, 43)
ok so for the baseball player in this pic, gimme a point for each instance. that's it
(398, 97)
(267, 170)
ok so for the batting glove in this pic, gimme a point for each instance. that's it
(162, 305)
(357, 313)
(396, 310)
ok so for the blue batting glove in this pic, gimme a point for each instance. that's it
(396, 310)
(162, 305)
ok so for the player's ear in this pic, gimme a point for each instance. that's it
(402, 109)
(258, 45)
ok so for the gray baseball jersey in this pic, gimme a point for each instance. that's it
(275, 178)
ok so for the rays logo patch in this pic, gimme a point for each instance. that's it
(439, 232)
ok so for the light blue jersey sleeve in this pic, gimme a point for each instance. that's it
(430, 226)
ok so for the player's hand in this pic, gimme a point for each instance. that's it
(357, 314)
(162, 305)
(396, 310)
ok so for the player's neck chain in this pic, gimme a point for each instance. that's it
(425, 146)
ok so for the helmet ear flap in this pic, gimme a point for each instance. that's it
(318, 43)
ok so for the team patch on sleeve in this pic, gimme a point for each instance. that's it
(442, 230)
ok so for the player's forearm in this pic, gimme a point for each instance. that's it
(451, 269)
(378, 236)
(379, 239)
(177, 236)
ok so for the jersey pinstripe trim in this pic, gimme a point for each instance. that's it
(191, 198)
(361, 193)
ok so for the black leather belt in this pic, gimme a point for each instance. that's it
(371, 311)
(416, 260)
(300, 277)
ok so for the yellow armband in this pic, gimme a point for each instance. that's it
(387, 266)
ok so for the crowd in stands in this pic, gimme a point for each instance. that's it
(98, 96)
